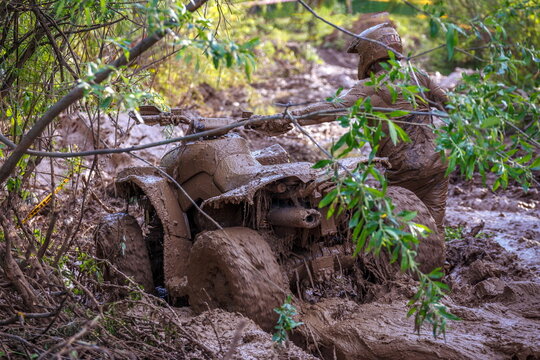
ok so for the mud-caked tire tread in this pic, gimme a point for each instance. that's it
(119, 240)
(250, 279)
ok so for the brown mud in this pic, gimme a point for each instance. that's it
(492, 261)
(492, 266)
(225, 270)
(227, 333)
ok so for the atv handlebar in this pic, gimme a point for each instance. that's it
(151, 115)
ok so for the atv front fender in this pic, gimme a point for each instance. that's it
(176, 242)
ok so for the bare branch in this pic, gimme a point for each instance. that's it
(200, 135)
(306, 6)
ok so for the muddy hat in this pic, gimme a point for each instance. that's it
(370, 52)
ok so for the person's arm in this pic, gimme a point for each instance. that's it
(344, 101)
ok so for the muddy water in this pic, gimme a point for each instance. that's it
(516, 232)
(511, 218)
(493, 271)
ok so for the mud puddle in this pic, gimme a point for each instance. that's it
(510, 218)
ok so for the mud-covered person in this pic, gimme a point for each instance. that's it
(415, 165)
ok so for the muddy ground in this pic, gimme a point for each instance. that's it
(493, 253)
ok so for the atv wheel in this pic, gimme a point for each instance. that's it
(431, 248)
(235, 269)
(120, 241)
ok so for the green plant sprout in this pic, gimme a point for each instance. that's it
(285, 321)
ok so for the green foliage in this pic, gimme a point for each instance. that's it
(286, 321)
(89, 264)
(40, 238)
(375, 227)
(14, 184)
(374, 224)
(495, 36)
(426, 304)
(484, 131)
(493, 124)
(85, 35)
(453, 232)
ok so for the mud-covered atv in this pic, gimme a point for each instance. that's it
(270, 239)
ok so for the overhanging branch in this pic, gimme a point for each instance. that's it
(77, 93)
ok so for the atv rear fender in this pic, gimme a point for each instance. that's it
(176, 242)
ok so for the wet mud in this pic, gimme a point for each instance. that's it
(492, 268)
(225, 270)
(227, 333)
(492, 265)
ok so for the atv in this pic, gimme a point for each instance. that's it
(225, 227)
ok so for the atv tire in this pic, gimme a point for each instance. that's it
(234, 269)
(120, 240)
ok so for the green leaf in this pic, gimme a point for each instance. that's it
(88, 16)
(398, 113)
(361, 239)
(404, 263)
(490, 121)
(411, 311)
(536, 164)
(435, 274)
(433, 28)
(374, 191)
(106, 102)
(355, 219)
(407, 215)
(451, 40)
(329, 198)
(393, 132)
(402, 134)
(322, 163)
(448, 315)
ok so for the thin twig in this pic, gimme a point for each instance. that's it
(18, 338)
(66, 343)
(306, 6)
(197, 136)
(184, 192)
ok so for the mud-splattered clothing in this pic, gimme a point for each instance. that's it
(415, 165)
